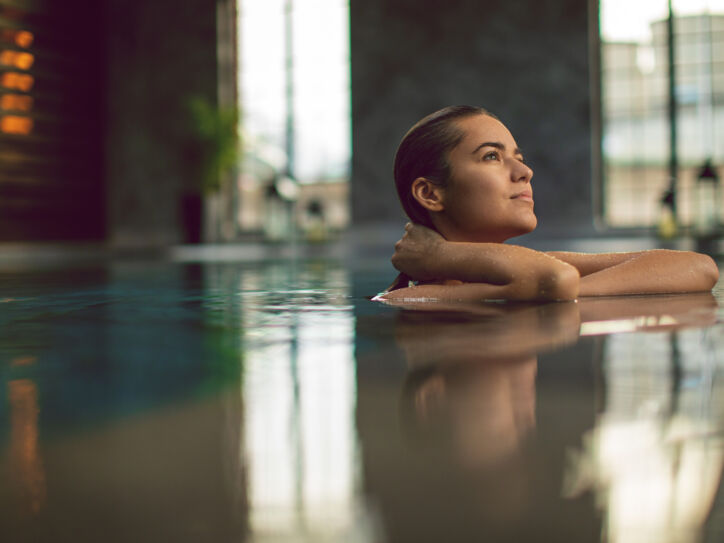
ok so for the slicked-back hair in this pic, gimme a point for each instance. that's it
(424, 151)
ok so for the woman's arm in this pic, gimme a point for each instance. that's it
(498, 271)
(488, 270)
(658, 271)
(564, 290)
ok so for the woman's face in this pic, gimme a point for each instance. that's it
(488, 197)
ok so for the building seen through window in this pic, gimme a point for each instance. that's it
(636, 128)
(295, 115)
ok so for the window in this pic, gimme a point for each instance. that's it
(634, 79)
(294, 81)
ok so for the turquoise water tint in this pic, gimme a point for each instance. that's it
(272, 401)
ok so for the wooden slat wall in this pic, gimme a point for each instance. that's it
(51, 161)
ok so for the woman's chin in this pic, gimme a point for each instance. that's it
(527, 227)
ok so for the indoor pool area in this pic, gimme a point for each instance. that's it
(271, 400)
(201, 200)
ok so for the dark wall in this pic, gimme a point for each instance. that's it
(159, 55)
(524, 60)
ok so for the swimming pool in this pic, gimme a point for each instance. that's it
(272, 401)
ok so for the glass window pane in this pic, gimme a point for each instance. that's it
(635, 145)
(295, 111)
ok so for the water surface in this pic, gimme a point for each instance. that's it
(272, 401)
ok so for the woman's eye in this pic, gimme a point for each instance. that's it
(492, 155)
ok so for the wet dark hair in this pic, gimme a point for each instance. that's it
(424, 151)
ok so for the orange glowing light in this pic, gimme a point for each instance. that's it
(17, 102)
(14, 80)
(12, 124)
(23, 38)
(17, 59)
(24, 60)
(25, 459)
(7, 57)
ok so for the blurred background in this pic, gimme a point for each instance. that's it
(145, 125)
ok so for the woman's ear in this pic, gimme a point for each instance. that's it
(428, 194)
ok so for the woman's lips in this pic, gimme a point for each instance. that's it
(525, 195)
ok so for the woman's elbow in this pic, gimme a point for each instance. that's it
(561, 284)
(707, 270)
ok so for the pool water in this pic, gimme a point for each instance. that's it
(273, 401)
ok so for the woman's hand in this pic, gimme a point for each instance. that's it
(416, 252)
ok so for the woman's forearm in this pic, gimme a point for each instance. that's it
(526, 274)
(652, 272)
(588, 263)
(522, 291)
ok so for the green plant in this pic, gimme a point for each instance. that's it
(216, 141)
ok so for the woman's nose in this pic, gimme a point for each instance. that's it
(521, 172)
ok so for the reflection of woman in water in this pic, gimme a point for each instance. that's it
(463, 182)
(472, 373)
(468, 406)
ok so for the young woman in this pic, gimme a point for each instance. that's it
(464, 183)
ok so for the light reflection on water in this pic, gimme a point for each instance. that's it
(300, 393)
(274, 402)
(654, 458)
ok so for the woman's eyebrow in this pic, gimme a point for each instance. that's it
(497, 145)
